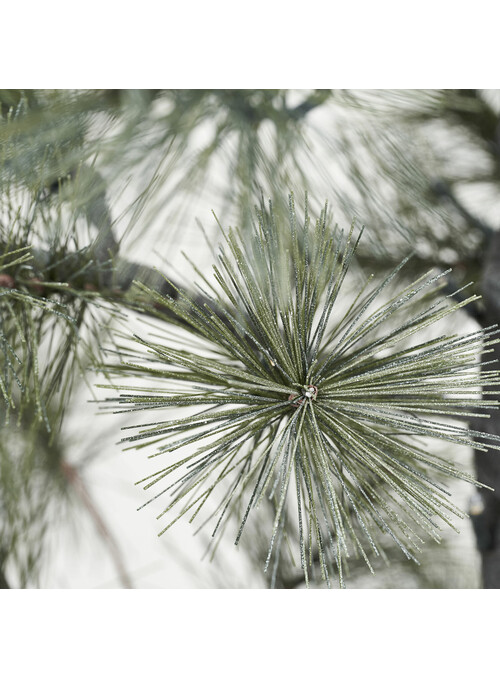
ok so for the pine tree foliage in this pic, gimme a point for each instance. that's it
(404, 162)
(30, 450)
(51, 326)
(422, 168)
(319, 410)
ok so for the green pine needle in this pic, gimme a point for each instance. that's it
(320, 409)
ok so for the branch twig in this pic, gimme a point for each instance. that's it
(442, 190)
(76, 481)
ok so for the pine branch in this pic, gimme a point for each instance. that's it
(479, 118)
(50, 143)
(308, 406)
(80, 275)
(317, 98)
(442, 190)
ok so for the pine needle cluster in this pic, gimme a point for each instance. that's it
(320, 406)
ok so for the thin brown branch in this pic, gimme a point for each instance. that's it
(77, 483)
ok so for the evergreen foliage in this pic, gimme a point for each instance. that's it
(320, 409)
(308, 375)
